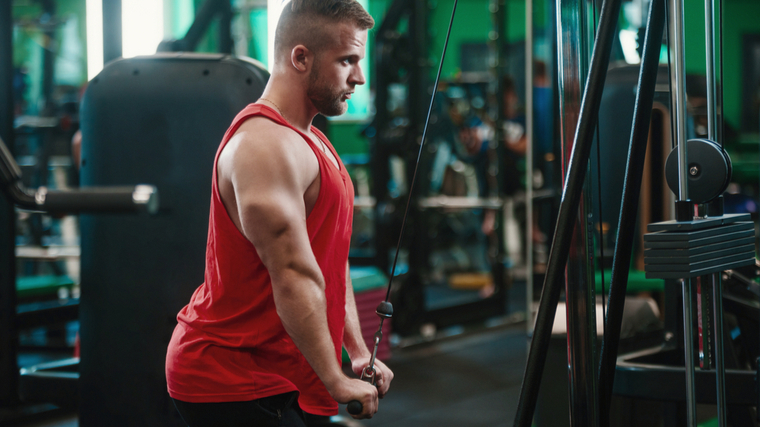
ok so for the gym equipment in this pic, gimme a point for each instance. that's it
(701, 177)
(93, 199)
(385, 309)
(57, 382)
(561, 244)
(709, 170)
(158, 118)
(39, 383)
(709, 242)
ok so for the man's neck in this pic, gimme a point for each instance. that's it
(291, 102)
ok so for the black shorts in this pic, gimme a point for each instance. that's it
(275, 411)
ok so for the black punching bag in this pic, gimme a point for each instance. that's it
(155, 120)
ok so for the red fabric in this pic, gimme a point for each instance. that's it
(229, 344)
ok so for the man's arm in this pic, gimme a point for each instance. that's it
(356, 347)
(269, 175)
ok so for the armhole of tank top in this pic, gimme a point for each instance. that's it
(215, 177)
(320, 163)
(322, 137)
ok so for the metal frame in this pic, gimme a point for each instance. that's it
(203, 18)
(642, 372)
(629, 205)
(111, 30)
(575, 36)
(8, 332)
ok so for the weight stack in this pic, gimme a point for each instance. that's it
(684, 249)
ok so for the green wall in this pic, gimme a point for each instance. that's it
(472, 23)
(743, 17)
(70, 43)
(739, 17)
(346, 137)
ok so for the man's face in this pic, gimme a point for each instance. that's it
(336, 70)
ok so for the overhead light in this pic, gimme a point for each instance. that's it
(274, 10)
(94, 16)
(628, 43)
(142, 23)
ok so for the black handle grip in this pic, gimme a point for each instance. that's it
(354, 407)
(105, 199)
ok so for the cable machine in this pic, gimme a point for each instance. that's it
(691, 250)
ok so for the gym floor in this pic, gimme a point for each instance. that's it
(466, 381)
(469, 379)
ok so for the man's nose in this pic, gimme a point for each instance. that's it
(357, 77)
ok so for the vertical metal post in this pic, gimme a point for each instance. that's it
(225, 27)
(495, 163)
(710, 56)
(713, 134)
(380, 148)
(8, 335)
(573, 58)
(419, 91)
(48, 57)
(688, 352)
(720, 367)
(529, 164)
(111, 30)
(678, 82)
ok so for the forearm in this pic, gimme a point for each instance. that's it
(352, 334)
(301, 306)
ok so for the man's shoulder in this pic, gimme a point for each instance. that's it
(260, 143)
(260, 133)
(262, 126)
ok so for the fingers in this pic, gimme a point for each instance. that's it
(369, 400)
(375, 404)
(384, 378)
(353, 389)
(358, 366)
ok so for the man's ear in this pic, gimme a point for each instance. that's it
(301, 58)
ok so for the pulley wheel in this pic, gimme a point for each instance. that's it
(709, 170)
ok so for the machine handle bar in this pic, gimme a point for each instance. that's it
(140, 198)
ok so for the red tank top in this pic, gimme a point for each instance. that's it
(229, 344)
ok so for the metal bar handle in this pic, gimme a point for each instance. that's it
(140, 198)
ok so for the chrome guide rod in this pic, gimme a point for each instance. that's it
(688, 352)
(678, 82)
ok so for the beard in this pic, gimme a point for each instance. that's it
(327, 99)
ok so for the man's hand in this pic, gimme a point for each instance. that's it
(348, 389)
(383, 374)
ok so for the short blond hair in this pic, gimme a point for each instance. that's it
(306, 22)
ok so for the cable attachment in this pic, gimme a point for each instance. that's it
(384, 311)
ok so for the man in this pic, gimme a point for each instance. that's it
(260, 341)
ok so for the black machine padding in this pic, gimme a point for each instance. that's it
(158, 120)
